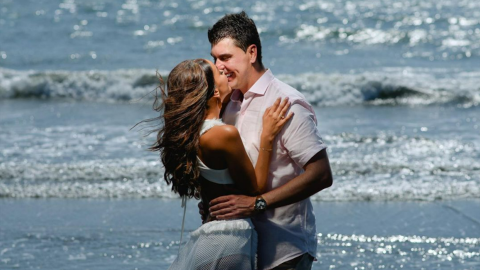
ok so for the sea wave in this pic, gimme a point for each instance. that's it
(134, 178)
(388, 87)
(342, 191)
(118, 85)
(392, 87)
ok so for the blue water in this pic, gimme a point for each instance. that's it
(336, 52)
(144, 234)
(79, 149)
(396, 88)
(298, 37)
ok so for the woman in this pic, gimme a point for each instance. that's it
(201, 155)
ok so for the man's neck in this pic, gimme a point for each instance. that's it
(253, 78)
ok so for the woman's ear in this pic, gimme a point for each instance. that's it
(216, 93)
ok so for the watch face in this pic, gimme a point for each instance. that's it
(260, 204)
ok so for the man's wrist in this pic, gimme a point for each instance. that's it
(260, 204)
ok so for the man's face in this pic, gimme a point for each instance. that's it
(234, 61)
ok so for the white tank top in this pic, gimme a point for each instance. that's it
(216, 176)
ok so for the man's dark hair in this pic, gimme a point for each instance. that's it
(241, 29)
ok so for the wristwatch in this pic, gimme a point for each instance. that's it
(260, 204)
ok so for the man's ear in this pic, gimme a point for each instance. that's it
(252, 53)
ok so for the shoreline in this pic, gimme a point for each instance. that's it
(338, 217)
(144, 233)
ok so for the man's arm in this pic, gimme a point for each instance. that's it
(317, 176)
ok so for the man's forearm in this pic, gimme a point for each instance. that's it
(317, 176)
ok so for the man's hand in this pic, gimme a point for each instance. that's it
(232, 206)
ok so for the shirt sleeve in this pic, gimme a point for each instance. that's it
(301, 137)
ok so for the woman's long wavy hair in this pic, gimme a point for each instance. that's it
(184, 103)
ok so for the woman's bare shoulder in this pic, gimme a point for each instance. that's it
(227, 131)
(219, 137)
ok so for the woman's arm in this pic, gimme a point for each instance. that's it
(273, 121)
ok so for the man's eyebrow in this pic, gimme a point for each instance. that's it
(224, 55)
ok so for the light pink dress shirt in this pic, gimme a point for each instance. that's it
(289, 231)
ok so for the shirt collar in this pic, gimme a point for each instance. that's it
(260, 86)
(236, 96)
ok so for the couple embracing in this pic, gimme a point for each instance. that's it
(248, 145)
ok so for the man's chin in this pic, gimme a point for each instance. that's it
(232, 84)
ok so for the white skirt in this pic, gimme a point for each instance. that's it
(224, 244)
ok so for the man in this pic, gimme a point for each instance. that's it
(283, 216)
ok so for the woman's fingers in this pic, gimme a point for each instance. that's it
(282, 105)
(285, 108)
(278, 110)
(275, 105)
(290, 115)
(267, 111)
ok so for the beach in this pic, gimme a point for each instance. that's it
(394, 86)
(145, 234)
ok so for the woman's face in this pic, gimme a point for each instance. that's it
(221, 82)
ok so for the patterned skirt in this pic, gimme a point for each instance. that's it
(224, 244)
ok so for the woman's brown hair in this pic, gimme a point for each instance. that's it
(184, 103)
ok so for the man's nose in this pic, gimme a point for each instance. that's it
(220, 65)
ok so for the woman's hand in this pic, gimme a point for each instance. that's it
(274, 119)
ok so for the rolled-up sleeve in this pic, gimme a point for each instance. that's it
(301, 137)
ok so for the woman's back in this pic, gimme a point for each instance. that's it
(215, 179)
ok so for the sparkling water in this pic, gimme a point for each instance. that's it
(396, 88)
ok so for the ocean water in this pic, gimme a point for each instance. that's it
(396, 88)
(144, 234)
(73, 149)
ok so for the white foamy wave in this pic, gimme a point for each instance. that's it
(388, 87)
(387, 187)
(80, 189)
(118, 85)
(390, 167)
(88, 171)
(361, 189)
(87, 179)
(133, 178)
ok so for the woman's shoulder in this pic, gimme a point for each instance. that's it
(218, 137)
(227, 130)
(222, 132)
